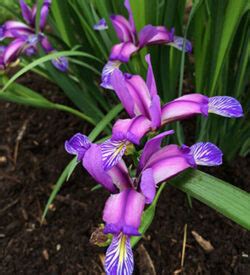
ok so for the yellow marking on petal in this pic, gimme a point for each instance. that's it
(122, 249)
(117, 150)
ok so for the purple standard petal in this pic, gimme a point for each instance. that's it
(123, 211)
(131, 18)
(131, 129)
(61, 63)
(119, 85)
(101, 25)
(138, 90)
(112, 152)
(13, 50)
(150, 77)
(122, 28)
(155, 112)
(225, 106)
(26, 12)
(92, 162)
(78, 145)
(178, 43)
(184, 107)
(119, 258)
(107, 72)
(16, 29)
(120, 176)
(123, 52)
(154, 35)
(206, 154)
(44, 13)
(151, 147)
(147, 185)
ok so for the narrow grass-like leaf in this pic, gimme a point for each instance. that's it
(58, 185)
(73, 163)
(105, 121)
(42, 60)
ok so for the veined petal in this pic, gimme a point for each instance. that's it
(155, 35)
(119, 256)
(61, 63)
(123, 51)
(44, 13)
(122, 28)
(184, 107)
(132, 129)
(107, 72)
(101, 25)
(206, 154)
(112, 152)
(225, 106)
(92, 162)
(26, 12)
(151, 147)
(178, 43)
(78, 145)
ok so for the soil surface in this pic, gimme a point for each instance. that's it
(32, 157)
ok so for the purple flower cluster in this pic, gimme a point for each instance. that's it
(24, 39)
(129, 195)
(131, 42)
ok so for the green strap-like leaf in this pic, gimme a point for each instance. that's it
(225, 198)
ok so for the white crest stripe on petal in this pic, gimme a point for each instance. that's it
(112, 152)
(119, 257)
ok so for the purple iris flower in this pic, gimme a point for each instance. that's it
(123, 209)
(25, 39)
(101, 25)
(131, 42)
(142, 103)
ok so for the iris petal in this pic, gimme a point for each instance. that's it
(119, 256)
(107, 72)
(101, 25)
(225, 106)
(206, 154)
(112, 152)
(78, 145)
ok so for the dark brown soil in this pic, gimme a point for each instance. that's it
(61, 246)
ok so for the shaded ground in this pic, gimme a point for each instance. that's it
(61, 246)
